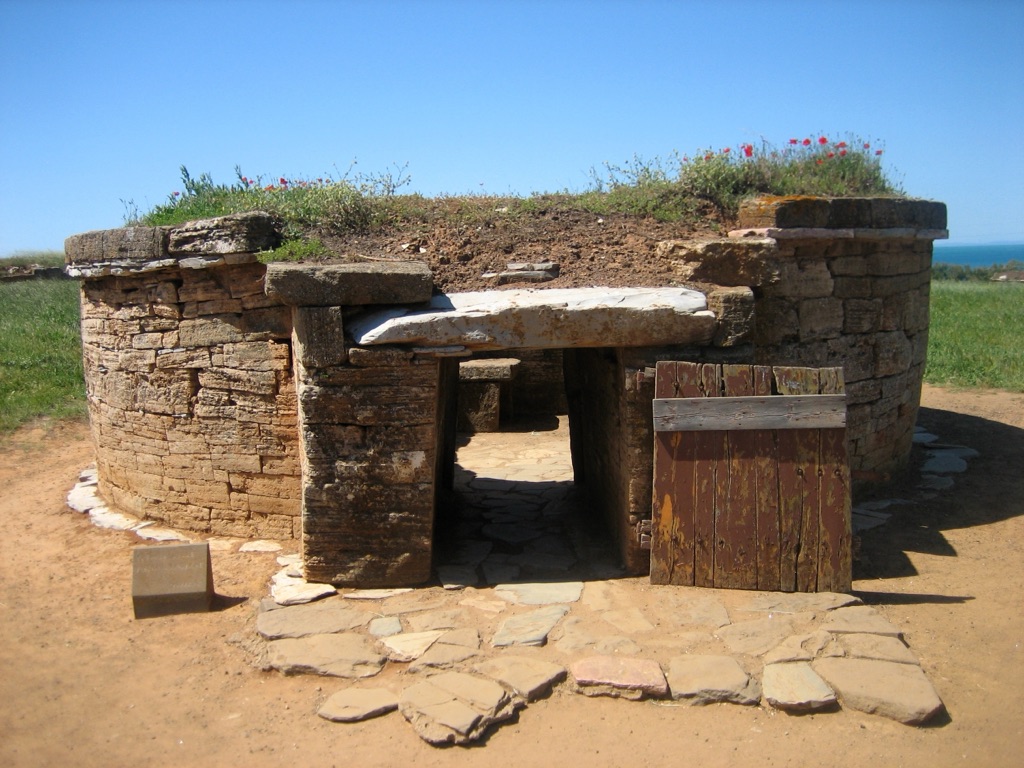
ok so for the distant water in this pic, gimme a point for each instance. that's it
(978, 255)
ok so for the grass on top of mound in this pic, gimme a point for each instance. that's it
(677, 188)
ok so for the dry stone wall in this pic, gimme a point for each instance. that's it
(838, 282)
(229, 398)
(189, 377)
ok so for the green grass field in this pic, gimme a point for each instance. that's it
(976, 337)
(976, 340)
(40, 352)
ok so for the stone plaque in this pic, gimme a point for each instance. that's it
(172, 578)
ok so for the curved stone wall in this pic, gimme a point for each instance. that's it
(189, 377)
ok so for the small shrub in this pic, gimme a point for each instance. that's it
(300, 249)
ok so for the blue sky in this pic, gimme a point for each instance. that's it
(104, 101)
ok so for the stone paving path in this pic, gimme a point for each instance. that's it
(530, 600)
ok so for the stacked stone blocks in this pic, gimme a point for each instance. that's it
(189, 377)
(226, 399)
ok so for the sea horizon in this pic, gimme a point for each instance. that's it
(978, 254)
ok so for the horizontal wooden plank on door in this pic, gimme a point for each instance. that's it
(749, 413)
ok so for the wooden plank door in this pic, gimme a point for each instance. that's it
(751, 491)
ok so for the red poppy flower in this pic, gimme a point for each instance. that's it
(794, 141)
(831, 154)
(819, 161)
(878, 152)
(725, 151)
(842, 153)
(822, 140)
(708, 156)
(866, 145)
(807, 142)
(748, 150)
(283, 181)
(841, 144)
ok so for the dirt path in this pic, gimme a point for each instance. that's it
(83, 683)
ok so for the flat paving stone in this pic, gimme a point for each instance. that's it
(859, 619)
(898, 691)
(707, 679)
(804, 647)
(456, 707)
(628, 620)
(83, 497)
(375, 594)
(796, 687)
(627, 678)
(528, 677)
(544, 593)
(801, 602)
(339, 655)
(354, 704)
(936, 482)
(409, 646)
(511, 533)
(299, 591)
(385, 626)
(881, 647)
(529, 628)
(467, 637)
(756, 637)
(943, 463)
(320, 618)
(484, 604)
(446, 618)
(441, 656)
(699, 611)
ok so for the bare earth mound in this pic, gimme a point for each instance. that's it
(591, 250)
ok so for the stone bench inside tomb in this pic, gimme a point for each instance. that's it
(485, 393)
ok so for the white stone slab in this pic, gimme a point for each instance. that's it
(579, 317)
(261, 545)
(544, 593)
(409, 646)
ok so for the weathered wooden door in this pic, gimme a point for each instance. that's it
(751, 479)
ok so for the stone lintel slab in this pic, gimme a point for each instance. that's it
(545, 319)
(355, 284)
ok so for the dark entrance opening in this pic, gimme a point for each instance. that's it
(516, 510)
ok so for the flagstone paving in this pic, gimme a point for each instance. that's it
(530, 602)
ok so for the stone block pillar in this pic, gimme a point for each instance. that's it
(370, 421)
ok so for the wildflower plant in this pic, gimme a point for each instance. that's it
(810, 165)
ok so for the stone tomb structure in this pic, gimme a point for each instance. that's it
(318, 401)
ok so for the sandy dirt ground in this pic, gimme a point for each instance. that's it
(85, 684)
